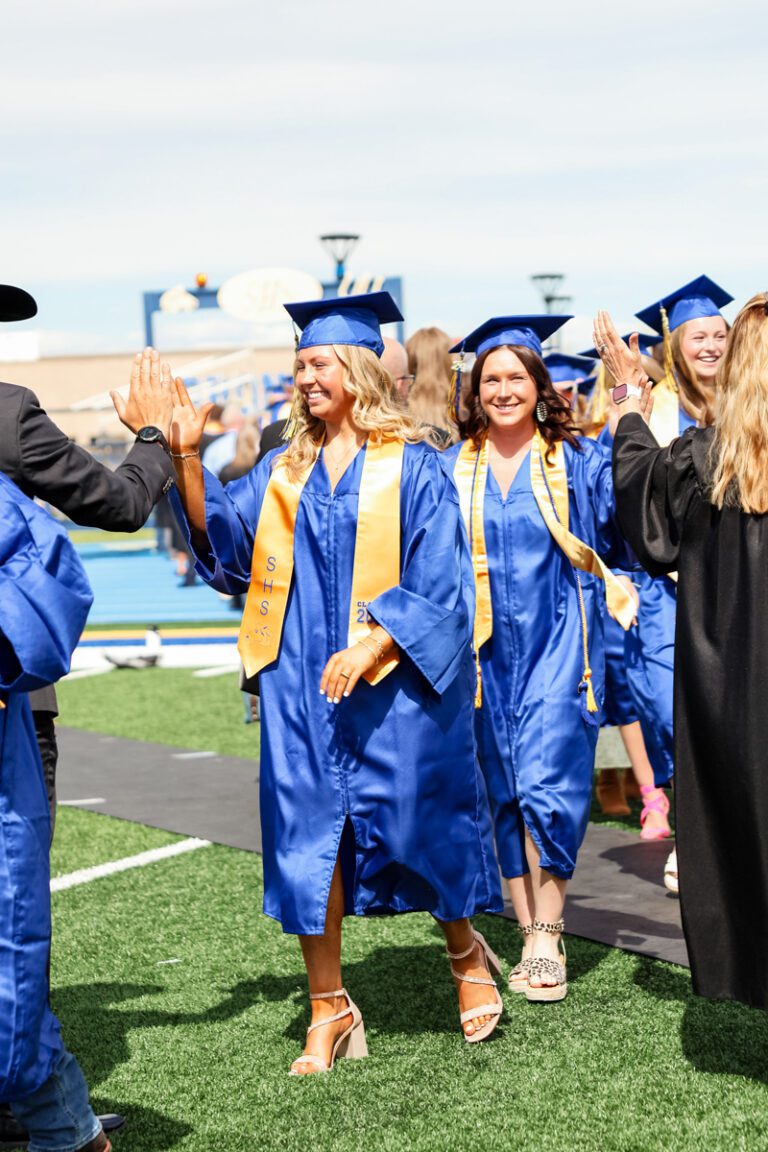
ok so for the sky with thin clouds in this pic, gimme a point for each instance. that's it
(470, 146)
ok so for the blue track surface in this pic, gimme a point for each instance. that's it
(141, 586)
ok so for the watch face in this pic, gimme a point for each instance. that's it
(620, 393)
(148, 434)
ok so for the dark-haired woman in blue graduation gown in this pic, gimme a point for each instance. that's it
(350, 539)
(538, 503)
(44, 602)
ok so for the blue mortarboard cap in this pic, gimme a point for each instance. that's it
(702, 297)
(16, 304)
(525, 331)
(586, 386)
(562, 367)
(345, 320)
(647, 343)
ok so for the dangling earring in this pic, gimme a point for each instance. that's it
(541, 411)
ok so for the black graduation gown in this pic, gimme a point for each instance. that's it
(721, 698)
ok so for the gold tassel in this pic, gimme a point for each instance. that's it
(669, 363)
(586, 676)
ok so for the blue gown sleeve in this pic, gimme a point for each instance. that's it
(426, 614)
(44, 594)
(231, 516)
(609, 543)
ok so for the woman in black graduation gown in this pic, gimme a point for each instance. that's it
(698, 506)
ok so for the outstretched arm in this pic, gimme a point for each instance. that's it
(187, 424)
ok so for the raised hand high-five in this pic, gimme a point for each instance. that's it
(149, 400)
(187, 422)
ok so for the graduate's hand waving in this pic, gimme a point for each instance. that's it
(343, 671)
(625, 364)
(187, 422)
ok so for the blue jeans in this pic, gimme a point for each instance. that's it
(58, 1116)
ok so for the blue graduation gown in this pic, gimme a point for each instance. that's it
(388, 778)
(650, 653)
(619, 705)
(44, 602)
(535, 738)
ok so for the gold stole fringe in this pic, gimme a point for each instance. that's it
(376, 563)
(470, 476)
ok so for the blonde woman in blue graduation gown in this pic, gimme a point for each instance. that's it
(350, 539)
(694, 334)
(538, 504)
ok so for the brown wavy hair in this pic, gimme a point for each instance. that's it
(739, 451)
(559, 424)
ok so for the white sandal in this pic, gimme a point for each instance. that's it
(671, 882)
(351, 1044)
(494, 1010)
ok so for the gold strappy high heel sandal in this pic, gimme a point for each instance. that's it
(542, 966)
(351, 1044)
(494, 1010)
(518, 977)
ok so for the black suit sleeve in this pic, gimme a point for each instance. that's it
(50, 466)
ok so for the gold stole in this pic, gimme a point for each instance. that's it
(665, 420)
(549, 482)
(470, 475)
(377, 543)
(376, 564)
(665, 417)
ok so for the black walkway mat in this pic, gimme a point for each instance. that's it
(616, 896)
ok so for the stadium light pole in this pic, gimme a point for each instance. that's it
(339, 245)
(548, 284)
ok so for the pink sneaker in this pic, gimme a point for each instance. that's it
(654, 800)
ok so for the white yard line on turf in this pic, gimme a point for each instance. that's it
(85, 875)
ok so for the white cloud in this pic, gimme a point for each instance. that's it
(142, 142)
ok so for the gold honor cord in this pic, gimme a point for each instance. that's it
(377, 543)
(470, 476)
(271, 569)
(550, 489)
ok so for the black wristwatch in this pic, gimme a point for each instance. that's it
(151, 435)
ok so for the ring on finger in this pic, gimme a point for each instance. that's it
(346, 675)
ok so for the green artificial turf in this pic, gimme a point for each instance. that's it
(185, 1006)
(80, 841)
(162, 706)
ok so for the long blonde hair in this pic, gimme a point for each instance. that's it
(429, 361)
(739, 453)
(376, 409)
